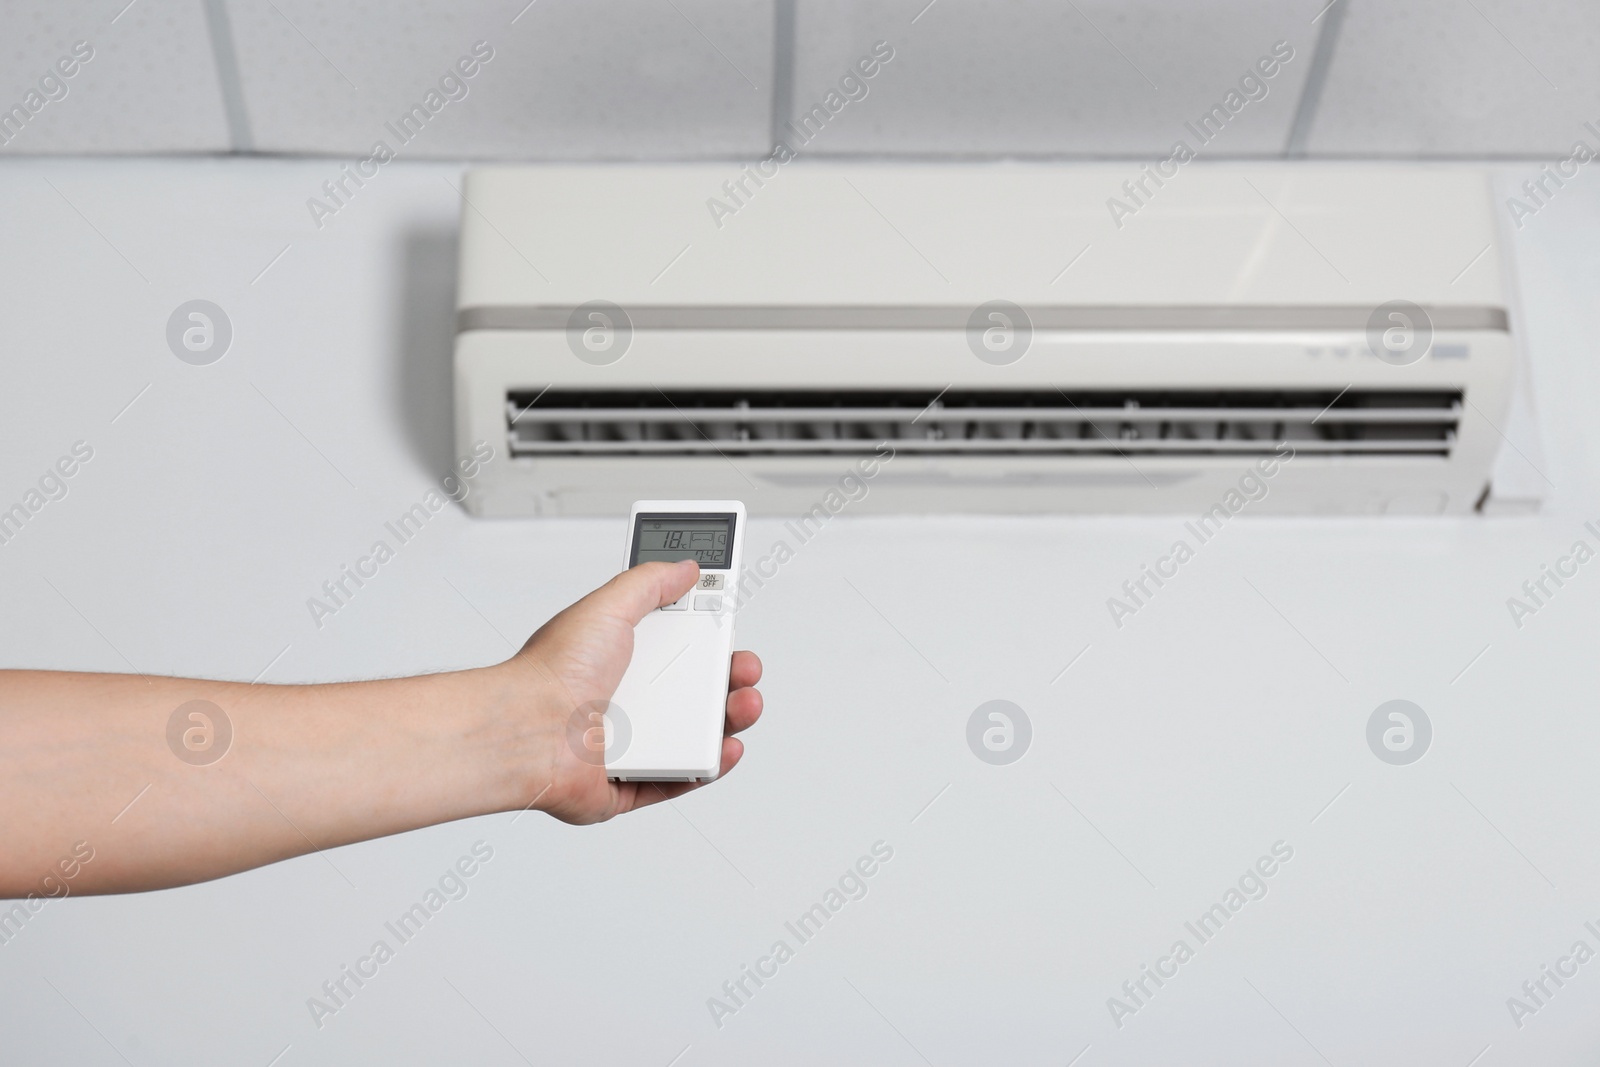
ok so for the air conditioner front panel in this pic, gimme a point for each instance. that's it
(825, 234)
(1182, 342)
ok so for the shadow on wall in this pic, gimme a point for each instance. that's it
(425, 321)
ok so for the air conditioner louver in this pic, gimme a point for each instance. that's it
(1033, 422)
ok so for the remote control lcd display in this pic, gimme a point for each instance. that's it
(706, 539)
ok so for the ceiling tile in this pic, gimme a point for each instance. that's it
(1093, 77)
(1444, 77)
(149, 83)
(563, 80)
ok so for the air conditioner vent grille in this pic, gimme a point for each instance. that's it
(971, 422)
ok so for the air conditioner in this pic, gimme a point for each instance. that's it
(1005, 337)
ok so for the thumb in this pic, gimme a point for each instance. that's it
(638, 591)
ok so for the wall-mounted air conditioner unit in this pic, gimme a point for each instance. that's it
(1018, 337)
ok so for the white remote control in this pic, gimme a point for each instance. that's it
(674, 694)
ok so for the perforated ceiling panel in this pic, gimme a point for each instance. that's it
(1435, 77)
(556, 79)
(1097, 77)
(142, 78)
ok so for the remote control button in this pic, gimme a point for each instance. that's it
(708, 603)
(710, 581)
(681, 604)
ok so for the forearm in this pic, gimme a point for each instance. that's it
(86, 758)
(101, 792)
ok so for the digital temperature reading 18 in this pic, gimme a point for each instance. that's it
(669, 538)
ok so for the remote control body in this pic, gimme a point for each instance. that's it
(665, 722)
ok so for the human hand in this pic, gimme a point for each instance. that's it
(577, 659)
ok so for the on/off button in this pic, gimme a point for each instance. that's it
(712, 602)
